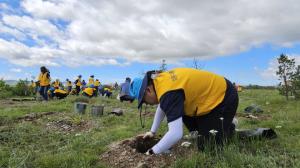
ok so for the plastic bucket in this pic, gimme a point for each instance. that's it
(80, 107)
(97, 110)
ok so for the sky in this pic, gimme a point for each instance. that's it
(113, 39)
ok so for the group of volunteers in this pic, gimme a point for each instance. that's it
(204, 102)
(48, 89)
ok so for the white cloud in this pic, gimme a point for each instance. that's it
(17, 70)
(270, 71)
(143, 31)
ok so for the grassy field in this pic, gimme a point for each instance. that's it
(66, 139)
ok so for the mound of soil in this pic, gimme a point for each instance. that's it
(130, 154)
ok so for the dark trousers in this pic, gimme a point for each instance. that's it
(77, 90)
(219, 119)
(96, 91)
(43, 92)
(69, 89)
(126, 98)
(60, 95)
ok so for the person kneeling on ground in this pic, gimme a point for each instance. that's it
(124, 91)
(202, 101)
(50, 92)
(89, 91)
(60, 94)
(107, 92)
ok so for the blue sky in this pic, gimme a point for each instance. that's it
(113, 40)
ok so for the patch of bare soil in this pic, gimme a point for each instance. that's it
(9, 103)
(65, 125)
(34, 116)
(130, 154)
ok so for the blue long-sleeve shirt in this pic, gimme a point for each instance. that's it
(125, 89)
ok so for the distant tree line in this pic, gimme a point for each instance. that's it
(260, 87)
(289, 76)
(22, 88)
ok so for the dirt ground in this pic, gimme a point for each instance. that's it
(129, 153)
(9, 103)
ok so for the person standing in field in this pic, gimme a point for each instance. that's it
(97, 84)
(91, 81)
(44, 81)
(69, 86)
(203, 101)
(78, 84)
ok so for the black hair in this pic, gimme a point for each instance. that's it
(128, 79)
(44, 69)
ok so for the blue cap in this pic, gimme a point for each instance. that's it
(137, 89)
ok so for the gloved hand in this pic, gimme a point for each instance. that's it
(148, 134)
(149, 152)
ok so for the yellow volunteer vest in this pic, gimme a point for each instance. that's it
(97, 83)
(203, 90)
(60, 91)
(56, 84)
(91, 81)
(89, 91)
(44, 81)
(78, 82)
(107, 89)
(69, 83)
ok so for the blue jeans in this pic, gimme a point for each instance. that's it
(44, 92)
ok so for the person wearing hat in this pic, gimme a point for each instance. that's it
(78, 84)
(69, 86)
(97, 84)
(44, 81)
(203, 101)
(91, 81)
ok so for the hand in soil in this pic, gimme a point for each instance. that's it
(148, 135)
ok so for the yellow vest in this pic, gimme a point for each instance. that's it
(203, 90)
(107, 89)
(44, 80)
(91, 81)
(69, 83)
(97, 83)
(78, 82)
(89, 91)
(56, 84)
(60, 91)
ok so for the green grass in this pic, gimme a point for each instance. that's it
(31, 144)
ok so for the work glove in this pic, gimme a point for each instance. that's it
(148, 134)
(149, 152)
